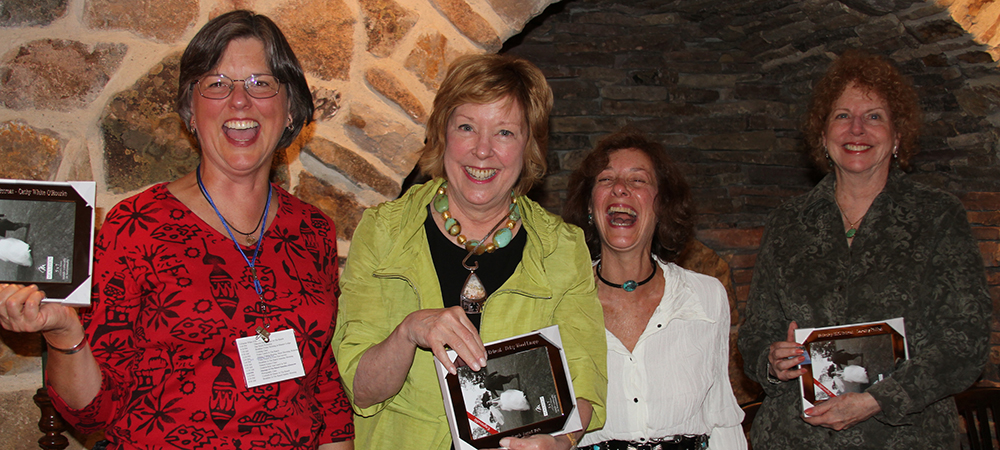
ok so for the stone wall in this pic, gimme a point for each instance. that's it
(87, 87)
(724, 85)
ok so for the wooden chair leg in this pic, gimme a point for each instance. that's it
(50, 424)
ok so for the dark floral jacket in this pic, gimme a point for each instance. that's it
(913, 257)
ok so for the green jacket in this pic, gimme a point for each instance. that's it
(390, 273)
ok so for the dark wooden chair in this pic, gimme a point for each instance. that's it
(979, 408)
(749, 412)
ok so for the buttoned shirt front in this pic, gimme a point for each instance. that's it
(676, 379)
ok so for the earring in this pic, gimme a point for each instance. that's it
(590, 219)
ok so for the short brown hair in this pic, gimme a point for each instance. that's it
(878, 75)
(205, 51)
(674, 209)
(483, 79)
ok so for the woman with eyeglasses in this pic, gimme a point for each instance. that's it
(214, 295)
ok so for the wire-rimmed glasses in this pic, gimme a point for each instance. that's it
(218, 87)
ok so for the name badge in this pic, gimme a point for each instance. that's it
(272, 361)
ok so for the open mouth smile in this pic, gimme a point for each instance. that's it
(621, 216)
(241, 130)
(480, 174)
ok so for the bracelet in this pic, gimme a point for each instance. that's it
(572, 440)
(69, 351)
(771, 378)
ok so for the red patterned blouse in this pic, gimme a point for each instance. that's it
(171, 295)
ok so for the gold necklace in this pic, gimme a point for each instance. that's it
(852, 229)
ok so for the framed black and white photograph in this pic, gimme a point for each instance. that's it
(46, 237)
(524, 389)
(849, 358)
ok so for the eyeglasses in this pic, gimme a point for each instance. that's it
(218, 87)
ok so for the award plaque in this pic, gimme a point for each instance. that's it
(849, 358)
(525, 389)
(46, 237)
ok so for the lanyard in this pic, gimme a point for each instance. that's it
(262, 331)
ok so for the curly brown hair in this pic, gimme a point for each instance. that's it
(876, 74)
(674, 208)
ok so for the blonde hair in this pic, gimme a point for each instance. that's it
(483, 79)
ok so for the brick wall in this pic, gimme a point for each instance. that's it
(723, 85)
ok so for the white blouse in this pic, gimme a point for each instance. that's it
(676, 380)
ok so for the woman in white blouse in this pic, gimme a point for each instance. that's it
(667, 327)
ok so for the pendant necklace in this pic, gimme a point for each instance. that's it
(250, 239)
(628, 285)
(473, 294)
(263, 331)
(851, 228)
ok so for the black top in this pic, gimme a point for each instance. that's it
(494, 268)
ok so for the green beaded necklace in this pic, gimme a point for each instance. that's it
(501, 237)
(473, 295)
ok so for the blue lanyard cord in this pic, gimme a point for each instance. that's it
(251, 263)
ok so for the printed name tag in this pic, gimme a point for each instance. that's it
(270, 362)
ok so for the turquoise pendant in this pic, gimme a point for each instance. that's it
(630, 285)
(850, 233)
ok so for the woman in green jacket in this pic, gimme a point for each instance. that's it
(464, 259)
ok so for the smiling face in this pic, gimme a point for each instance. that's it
(240, 133)
(859, 134)
(623, 202)
(483, 156)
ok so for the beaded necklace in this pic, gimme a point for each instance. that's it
(501, 238)
(473, 296)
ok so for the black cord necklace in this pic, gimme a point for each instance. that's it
(251, 240)
(629, 285)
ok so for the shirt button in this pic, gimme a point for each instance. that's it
(642, 439)
(635, 400)
(659, 325)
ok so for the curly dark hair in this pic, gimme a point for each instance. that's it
(674, 209)
(878, 75)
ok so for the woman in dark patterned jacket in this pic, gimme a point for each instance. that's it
(185, 304)
(867, 244)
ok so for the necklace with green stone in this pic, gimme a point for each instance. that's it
(852, 228)
(473, 295)
(501, 237)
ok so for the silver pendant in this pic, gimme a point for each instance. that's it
(473, 296)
